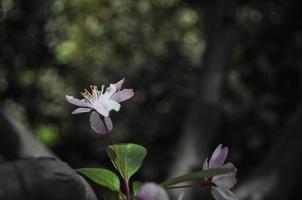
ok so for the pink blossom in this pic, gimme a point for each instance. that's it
(221, 184)
(101, 102)
(152, 191)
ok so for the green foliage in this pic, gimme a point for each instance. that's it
(127, 158)
(128, 31)
(49, 134)
(102, 177)
(136, 185)
(112, 195)
(195, 176)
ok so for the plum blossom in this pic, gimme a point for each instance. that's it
(221, 184)
(152, 191)
(101, 102)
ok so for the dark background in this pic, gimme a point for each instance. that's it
(203, 72)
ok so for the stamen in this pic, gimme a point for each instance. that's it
(102, 90)
(94, 91)
(86, 94)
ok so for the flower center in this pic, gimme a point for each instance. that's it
(94, 95)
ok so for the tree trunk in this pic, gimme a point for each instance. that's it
(204, 114)
(279, 174)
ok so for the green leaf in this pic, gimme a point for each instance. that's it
(136, 185)
(102, 177)
(196, 176)
(112, 195)
(126, 158)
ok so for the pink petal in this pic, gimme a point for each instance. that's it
(97, 124)
(218, 157)
(122, 95)
(223, 194)
(108, 123)
(225, 181)
(205, 164)
(216, 152)
(152, 191)
(119, 84)
(77, 102)
(81, 110)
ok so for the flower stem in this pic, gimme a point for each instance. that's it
(133, 197)
(126, 182)
(109, 137)
(124, 175)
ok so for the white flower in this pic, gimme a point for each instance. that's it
(221, 184)
(101, 102)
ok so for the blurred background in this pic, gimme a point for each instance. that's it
(204, 73)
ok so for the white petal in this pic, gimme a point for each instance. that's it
(152, 191)
(77, 102)
(108, 122)
(119, 84)
(231, 166)
(96, 123)
(112, 105)
(223, 194)
(225, 181)
(81, 110)
(109, 92)
(122, 95)
(101, 109)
